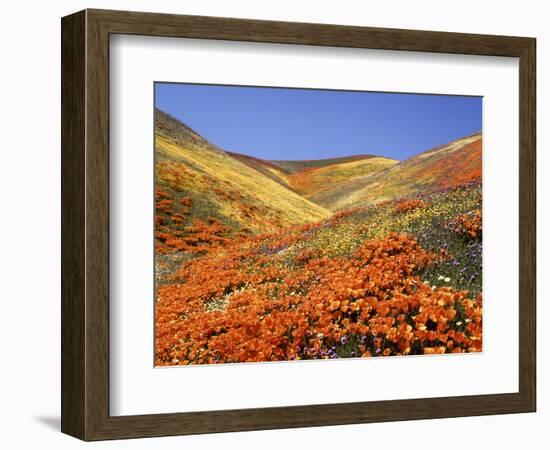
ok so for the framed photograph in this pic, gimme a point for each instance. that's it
(272, 225)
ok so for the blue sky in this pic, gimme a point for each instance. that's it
(275, 123)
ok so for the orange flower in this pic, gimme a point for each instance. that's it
(251, 298)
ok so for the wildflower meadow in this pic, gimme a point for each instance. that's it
(245, 275)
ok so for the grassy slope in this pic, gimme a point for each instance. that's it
(311, 183)
(311, 177)
(344, 287)
(455, 162)
(270, 170)
(322, 290)
(220, 186)
(295, 166)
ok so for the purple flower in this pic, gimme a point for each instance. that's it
(344, 340)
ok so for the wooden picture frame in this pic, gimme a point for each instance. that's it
(85, 224)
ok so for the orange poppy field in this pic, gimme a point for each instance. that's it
(360, 256)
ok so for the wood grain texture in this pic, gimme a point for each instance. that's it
(85, 224)
(152, 24)
(73, 108)
(527, 224)
(97, 226)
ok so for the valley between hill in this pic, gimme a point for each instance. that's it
(262, 260)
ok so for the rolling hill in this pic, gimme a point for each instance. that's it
(289, 260)
(340, 183)
(313, 182)
(296, 166)
(445, 166)
(205, 194)
(204, 191)
(267, 168)
(310, 177)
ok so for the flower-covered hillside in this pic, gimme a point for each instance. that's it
(400, 277)
(198, 184)
(313, 182)
(446, 166)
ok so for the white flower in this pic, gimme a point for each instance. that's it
(447, 280)
(440, 277)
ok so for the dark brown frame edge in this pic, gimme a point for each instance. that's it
(85, 224)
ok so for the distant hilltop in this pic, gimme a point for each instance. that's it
(249, 192)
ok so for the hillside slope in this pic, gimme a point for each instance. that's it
(457, 162)
(201, 190)
(296, 166)
(384, 280)
(313, 182)
(270, 170)
(310, 177)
